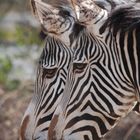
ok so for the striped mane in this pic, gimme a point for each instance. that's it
(77, 29)
(123, 17)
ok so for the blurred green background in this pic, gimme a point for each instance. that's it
(19, 38)
(20, 48)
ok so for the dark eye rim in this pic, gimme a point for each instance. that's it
(49, 72)
(79, 67)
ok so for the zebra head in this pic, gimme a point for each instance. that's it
(52, 70)
(103, 82)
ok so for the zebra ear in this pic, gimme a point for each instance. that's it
(75, 6)
(86, 10)
(41, 10)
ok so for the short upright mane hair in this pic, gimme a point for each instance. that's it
(124, 17)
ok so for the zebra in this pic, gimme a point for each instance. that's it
(47, 70)
(103, 83)
(53, 66)
(109, 5)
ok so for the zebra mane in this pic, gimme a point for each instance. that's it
(124, 18)
(77, 29)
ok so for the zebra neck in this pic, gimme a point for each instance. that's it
(130, 56)
(123, 55)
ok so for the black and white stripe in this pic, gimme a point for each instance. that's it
(104, 80)
(51, 78)
(57, 23)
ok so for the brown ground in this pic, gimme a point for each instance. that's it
(13, 105)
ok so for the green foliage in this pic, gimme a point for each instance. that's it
(5, 67)
(27, 35)
(22, 35)
(6, 36)
(12, 84)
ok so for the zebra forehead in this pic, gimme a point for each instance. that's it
(54, 48)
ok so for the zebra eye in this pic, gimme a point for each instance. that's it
(79, 67)
(49, 73)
